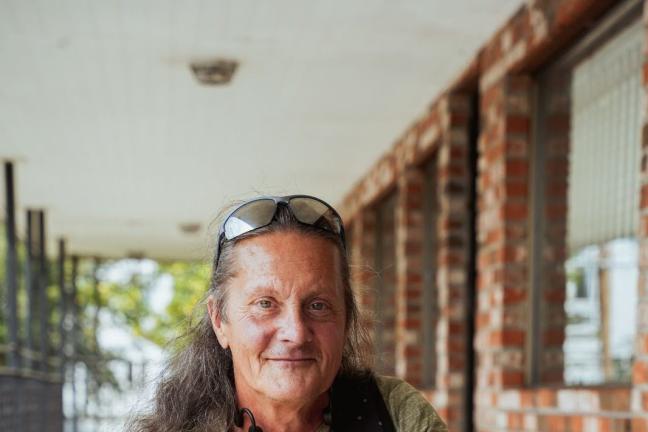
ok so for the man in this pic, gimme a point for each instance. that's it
(281, 347)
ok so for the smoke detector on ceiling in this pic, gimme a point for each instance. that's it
(214, 72)
(190, 227)
(135, 254)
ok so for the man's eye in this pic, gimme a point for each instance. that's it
(318, 306)
(265, 304)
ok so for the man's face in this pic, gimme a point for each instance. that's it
(285, 316)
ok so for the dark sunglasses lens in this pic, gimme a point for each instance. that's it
(313, 212)
(249, 217)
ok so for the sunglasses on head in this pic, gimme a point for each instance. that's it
(260, 212)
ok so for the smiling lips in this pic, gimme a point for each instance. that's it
(292, 359)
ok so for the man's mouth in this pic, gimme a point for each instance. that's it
(292, 359)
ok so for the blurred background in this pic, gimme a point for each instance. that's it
(486, 157)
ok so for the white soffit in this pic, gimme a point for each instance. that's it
(114, 137)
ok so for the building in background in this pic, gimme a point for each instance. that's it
(502, 240)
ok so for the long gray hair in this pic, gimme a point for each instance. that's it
(196, 389)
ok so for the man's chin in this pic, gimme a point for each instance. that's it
(293, 386)
(291, 394)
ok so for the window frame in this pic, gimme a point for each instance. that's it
(618, 19)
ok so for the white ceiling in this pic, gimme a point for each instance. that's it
(113, 136)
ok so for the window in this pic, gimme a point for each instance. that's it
(603, 216)
(430, 300)
(604, 92)
(385, 285)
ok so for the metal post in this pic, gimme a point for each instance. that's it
(64, 299)
(12, 268)
(64, 296)
(43, 311)
(94, 356)
(73, 337)
(29, 284)
(97, 302)
(41, 283)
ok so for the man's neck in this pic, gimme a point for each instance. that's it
(274, 416)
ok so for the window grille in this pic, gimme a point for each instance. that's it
(385, 285)
(430, 296)
(603, 210)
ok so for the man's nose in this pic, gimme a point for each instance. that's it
(294, 326)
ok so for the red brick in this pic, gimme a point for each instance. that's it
(456, 328)
(558, 123)
(556, 423)
(519, 83)
(640, 372)
(644, 344)
(516, 188)
(605, 425)
(644, 196)
(526, 398)
(556, 188)
(556, 210)
(412, 324)
(413, 294)
(515, 211)
(517, 168)
(456, 345)
(546, 398)
(518, 124)
(644, 401)
(514, 296)
(413, 279)
(557, 167)
(411, 351)
(639, 424)
(515, 421)
(507, 338)
(554, 337)
(575, 424)
(552, 376)
(555, 295)
(512, 378)
(483, 319)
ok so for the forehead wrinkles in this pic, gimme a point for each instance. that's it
(269, 249)
(282, 258)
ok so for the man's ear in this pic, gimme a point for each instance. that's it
(220, 328)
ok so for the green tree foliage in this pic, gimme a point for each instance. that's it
(130, 300)
(122, 293)
(191, 281)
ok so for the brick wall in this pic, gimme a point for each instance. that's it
(512, 392)
(453, 231)
(409, 275)
(439, 137)
(502, 287)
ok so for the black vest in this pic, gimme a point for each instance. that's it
(358, 406)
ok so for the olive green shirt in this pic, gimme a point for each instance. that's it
(409, 410)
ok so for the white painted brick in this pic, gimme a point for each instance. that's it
(530, 422)
(591, 424)
(502, 419)
(509, 400)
